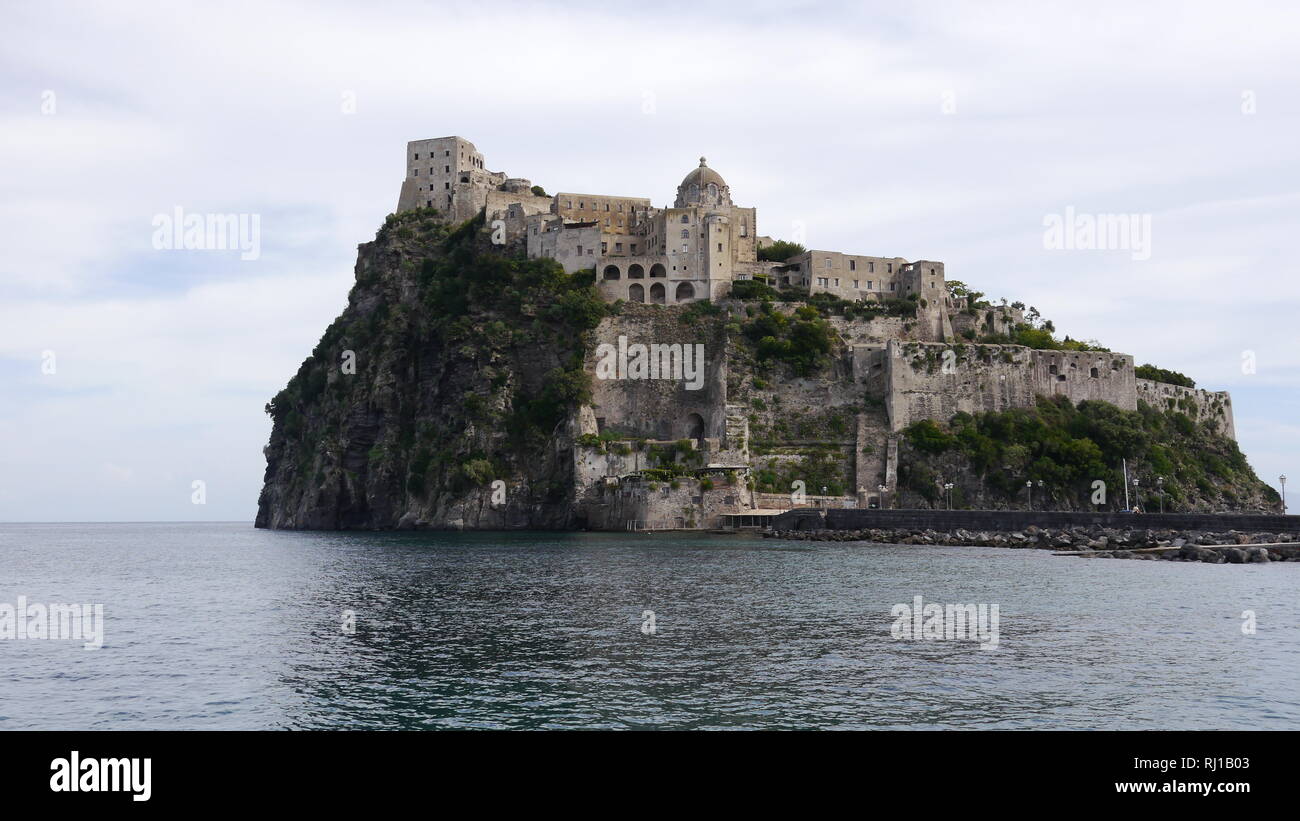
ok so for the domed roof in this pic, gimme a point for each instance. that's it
(702, 176)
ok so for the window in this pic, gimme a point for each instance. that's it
(719, 246)
(871, 267)
(684, 248)
(606, 206)
(634, 247)
(837, 282)
(684, 219)
(606, 222)
(868, 285)
(604, 246)
(686, 234)
(744, 228)
(853, 265)
(828, 262)
(580, 250)
(446, 186)
(618, 247)
(891, 286)
(417, 156)
(446, 169)
(855, 284)
(889, 268)
(415, 172)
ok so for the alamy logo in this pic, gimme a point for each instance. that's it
(75, 622)
(683, 363)
(75, 774)
(208, 232)
(1099, 232)
(934, 622)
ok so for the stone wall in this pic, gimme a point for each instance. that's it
(1202, 405)
(936, 381)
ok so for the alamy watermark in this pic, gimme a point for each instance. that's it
(179, 231)
(53, 622)
(1073, 231)
(683, 363)
(953, 622)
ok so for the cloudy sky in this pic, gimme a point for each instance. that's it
(940, 131)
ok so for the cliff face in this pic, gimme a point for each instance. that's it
(441, 396)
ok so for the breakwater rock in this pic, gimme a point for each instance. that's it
(1230, 547)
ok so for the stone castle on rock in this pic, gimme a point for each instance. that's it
(696, 249)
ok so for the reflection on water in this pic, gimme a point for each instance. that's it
(223, 626)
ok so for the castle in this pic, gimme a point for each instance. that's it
(922, 366)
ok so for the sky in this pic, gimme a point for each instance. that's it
(942, 131)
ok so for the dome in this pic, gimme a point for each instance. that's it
(703, 187)
(704, 175)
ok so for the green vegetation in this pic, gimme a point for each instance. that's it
(803, 341)
(780, 251)
(1069, 447)
(1155, 374)
(539, 191)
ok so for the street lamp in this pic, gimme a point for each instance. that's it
(1137, 497)
(1282, 479)
(882, 490)
(1160, 485)
(1030, 484)
(1040, 487)
(948, 487)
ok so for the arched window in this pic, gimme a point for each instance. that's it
(686, 233)
(612, 272)
(685, 219)
(635, 272)
(685, 292)
(636, 292)
(694, 426)
(713, 190)
(657, 271)
(657, 293)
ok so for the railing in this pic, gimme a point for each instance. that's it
(659, 524)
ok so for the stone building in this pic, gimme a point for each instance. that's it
(915, 364)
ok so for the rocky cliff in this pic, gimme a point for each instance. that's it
(441, 396)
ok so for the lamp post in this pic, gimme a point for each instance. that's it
(1160, 485)
(882, 490)
(1282, 479)
(1137, 497)
(1030, 484)
(947, 486)
(1040, 488)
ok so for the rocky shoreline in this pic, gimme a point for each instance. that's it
(1227, 547)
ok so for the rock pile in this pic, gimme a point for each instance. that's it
(1231, 547)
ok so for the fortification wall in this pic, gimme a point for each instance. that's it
(663, 408)
(1200, 404)
(936, 381)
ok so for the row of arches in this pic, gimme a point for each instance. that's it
(636, 292)
(635, 271)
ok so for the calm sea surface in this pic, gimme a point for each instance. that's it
(221, 626)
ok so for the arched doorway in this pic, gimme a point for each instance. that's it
(694, 426)
(685, 292)
(657, 271)
(612, 272)
(635, 272)
(636, 292)
(657, 294)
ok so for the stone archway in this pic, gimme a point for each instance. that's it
(685, 292)
(636, 292)
(657, 294)
(694, 426)
(657, 271)
(612, 272)
(635, 271)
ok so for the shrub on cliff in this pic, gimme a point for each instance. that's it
(1149, 371)
(780, 251)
